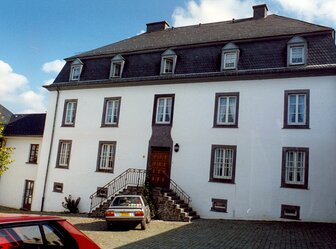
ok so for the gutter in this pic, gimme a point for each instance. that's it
(50, 149)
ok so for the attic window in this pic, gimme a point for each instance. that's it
(230, 56)
(168, 62)
(117, 66)
(296, 51)
(76, 69)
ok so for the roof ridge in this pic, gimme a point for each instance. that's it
(301, 21)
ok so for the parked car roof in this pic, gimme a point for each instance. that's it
(14, 218)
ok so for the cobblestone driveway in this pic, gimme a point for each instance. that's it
(205, 234)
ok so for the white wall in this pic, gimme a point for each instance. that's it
(12, 182)
(256, 193)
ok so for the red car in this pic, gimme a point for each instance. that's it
(41, 232)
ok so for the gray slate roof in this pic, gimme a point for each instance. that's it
(25, 125)
(243, 29)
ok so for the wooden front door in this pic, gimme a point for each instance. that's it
(160, 167)
(28, 195)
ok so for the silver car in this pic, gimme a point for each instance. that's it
(128, 209)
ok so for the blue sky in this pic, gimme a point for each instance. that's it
(37, 34)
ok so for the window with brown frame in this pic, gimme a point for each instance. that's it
(63, 155)
(226, 110)
(102, 192)
(58, 187)
(290, 212)
(106, 156)
(69, 112)
(295, 165)
(296, 110)
(33, 153)
(219, 205)
(223, 163)
(111, 112)
(163, 109)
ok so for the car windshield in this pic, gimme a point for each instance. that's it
(125, 201)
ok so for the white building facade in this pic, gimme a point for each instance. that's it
(248, 132)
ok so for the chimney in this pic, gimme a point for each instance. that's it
(157, 26)
(260, 11)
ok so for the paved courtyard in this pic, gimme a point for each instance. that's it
(205, 234)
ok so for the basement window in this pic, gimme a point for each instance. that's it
(102, 192)
(290, 212)
(219, 205)
(58, 187)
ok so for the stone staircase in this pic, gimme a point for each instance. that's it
(169, 206)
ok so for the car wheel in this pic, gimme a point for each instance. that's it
(109, 225)
(143, 224)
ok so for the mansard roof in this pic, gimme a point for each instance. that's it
(233, 30)
(25, 125)
(262, 42)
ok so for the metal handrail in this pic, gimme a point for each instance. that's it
(130, 177)
(178, 190)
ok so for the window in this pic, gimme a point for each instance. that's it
(219, 205)
(296, 51)
(76, 69)
(58, 187)
(102, 192)
(296, 113)
(106, 156)
(295, 167)
(296, 55)
(42, 235)
(168, 65)
(117, 66)
(34, 148)
(63, 155)
(163, 109)
(168, 62)
(230, 56)
(69, 113)
(226, 110)
(290, 212)
(111, 112)
(223, 163)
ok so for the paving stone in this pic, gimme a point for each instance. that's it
(204, 234)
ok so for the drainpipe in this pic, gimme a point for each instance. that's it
(50, 149)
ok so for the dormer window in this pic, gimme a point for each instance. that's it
(230, 56)
(168, 62)
(76, 69)
(296, 51)
(117, 66)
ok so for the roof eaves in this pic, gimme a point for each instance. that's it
(327, 69)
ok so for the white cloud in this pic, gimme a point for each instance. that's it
(205, 11)
(141, 32)
(15, 92)
(32, 101)
(10, 82)
(53, 66)
(321, 11)
(48, 82)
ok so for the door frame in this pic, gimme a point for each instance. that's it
(28, 186)
(159, 148)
